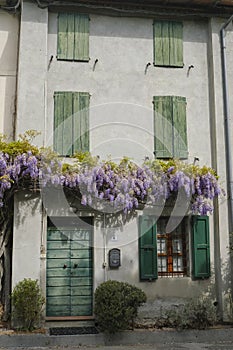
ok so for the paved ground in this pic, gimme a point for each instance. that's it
(172, 346)
(211, 339)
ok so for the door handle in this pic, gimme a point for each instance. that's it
(65, 266)
(75, 266)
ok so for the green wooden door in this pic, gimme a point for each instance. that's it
(69, 272)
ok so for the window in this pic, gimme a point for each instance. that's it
(165, 254)
(168, 44)
(73, 37)
(71, 122)
(170, 131)
(171, 249)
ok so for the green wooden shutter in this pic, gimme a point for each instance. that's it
(176, 44)
(81, 101)
(147, 248)
(65, 37)
(163, 129)
(81, 38)
(71, 122)
(200, 248)
(179, 127)
(168, 43)
(63, 121)
(161, 43)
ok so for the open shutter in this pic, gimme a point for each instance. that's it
(179, 127)
(176, 44)
(147, 248)
(163, 128)
(63, 123)
(168, 43)
(65, 37)
(81, 101)
(81, 38)
(201, 248)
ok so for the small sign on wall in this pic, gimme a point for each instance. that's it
(114, 256)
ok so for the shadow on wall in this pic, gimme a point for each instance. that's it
(28, 204)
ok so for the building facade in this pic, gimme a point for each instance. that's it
(98, 77)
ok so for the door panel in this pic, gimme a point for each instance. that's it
(69, 272)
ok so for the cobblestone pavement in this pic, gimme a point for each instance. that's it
(227, 345)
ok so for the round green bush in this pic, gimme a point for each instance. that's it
(116, 305)
(27, 303)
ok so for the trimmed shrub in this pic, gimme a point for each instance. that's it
(27, 303)
(116, 305)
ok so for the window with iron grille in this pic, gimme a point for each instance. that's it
(165, 251)
(171, 249)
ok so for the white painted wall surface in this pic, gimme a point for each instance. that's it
(26, 237)
(9, 31)
(32, 70)
(121, 109)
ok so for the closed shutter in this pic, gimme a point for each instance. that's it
(176, 44)
(179, 127)
(81, 38)
(168, 43)
(147, 248)
(71, 122)
(200, 247)
(161, 43)
(63, 120)
(170, 130)
(81, 101)
(73, 37)
(65, 37)
(163, 128)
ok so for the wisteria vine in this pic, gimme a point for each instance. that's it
(122, 186)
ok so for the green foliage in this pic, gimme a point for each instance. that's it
(178, 165)
(85, 158)
(195, 314)
(116, 305)
(27, 303)
(22, 145)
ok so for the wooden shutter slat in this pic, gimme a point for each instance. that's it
(68, 124)
(70, 37)
(147, 248)
(158, 44)
(81, 38)
(81, 101)
(62, 40)
(200, 247)
(163, 129)
(58, 122)
(179, 127)
(166, 43)
(176, 44)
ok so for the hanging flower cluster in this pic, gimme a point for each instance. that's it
(122, 186)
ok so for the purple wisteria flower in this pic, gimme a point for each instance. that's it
(122, 186)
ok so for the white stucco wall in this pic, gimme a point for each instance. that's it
(9, 30)
(26, 237)
(121, 109)
(32, 70)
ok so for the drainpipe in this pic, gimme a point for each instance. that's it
(227, 124)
